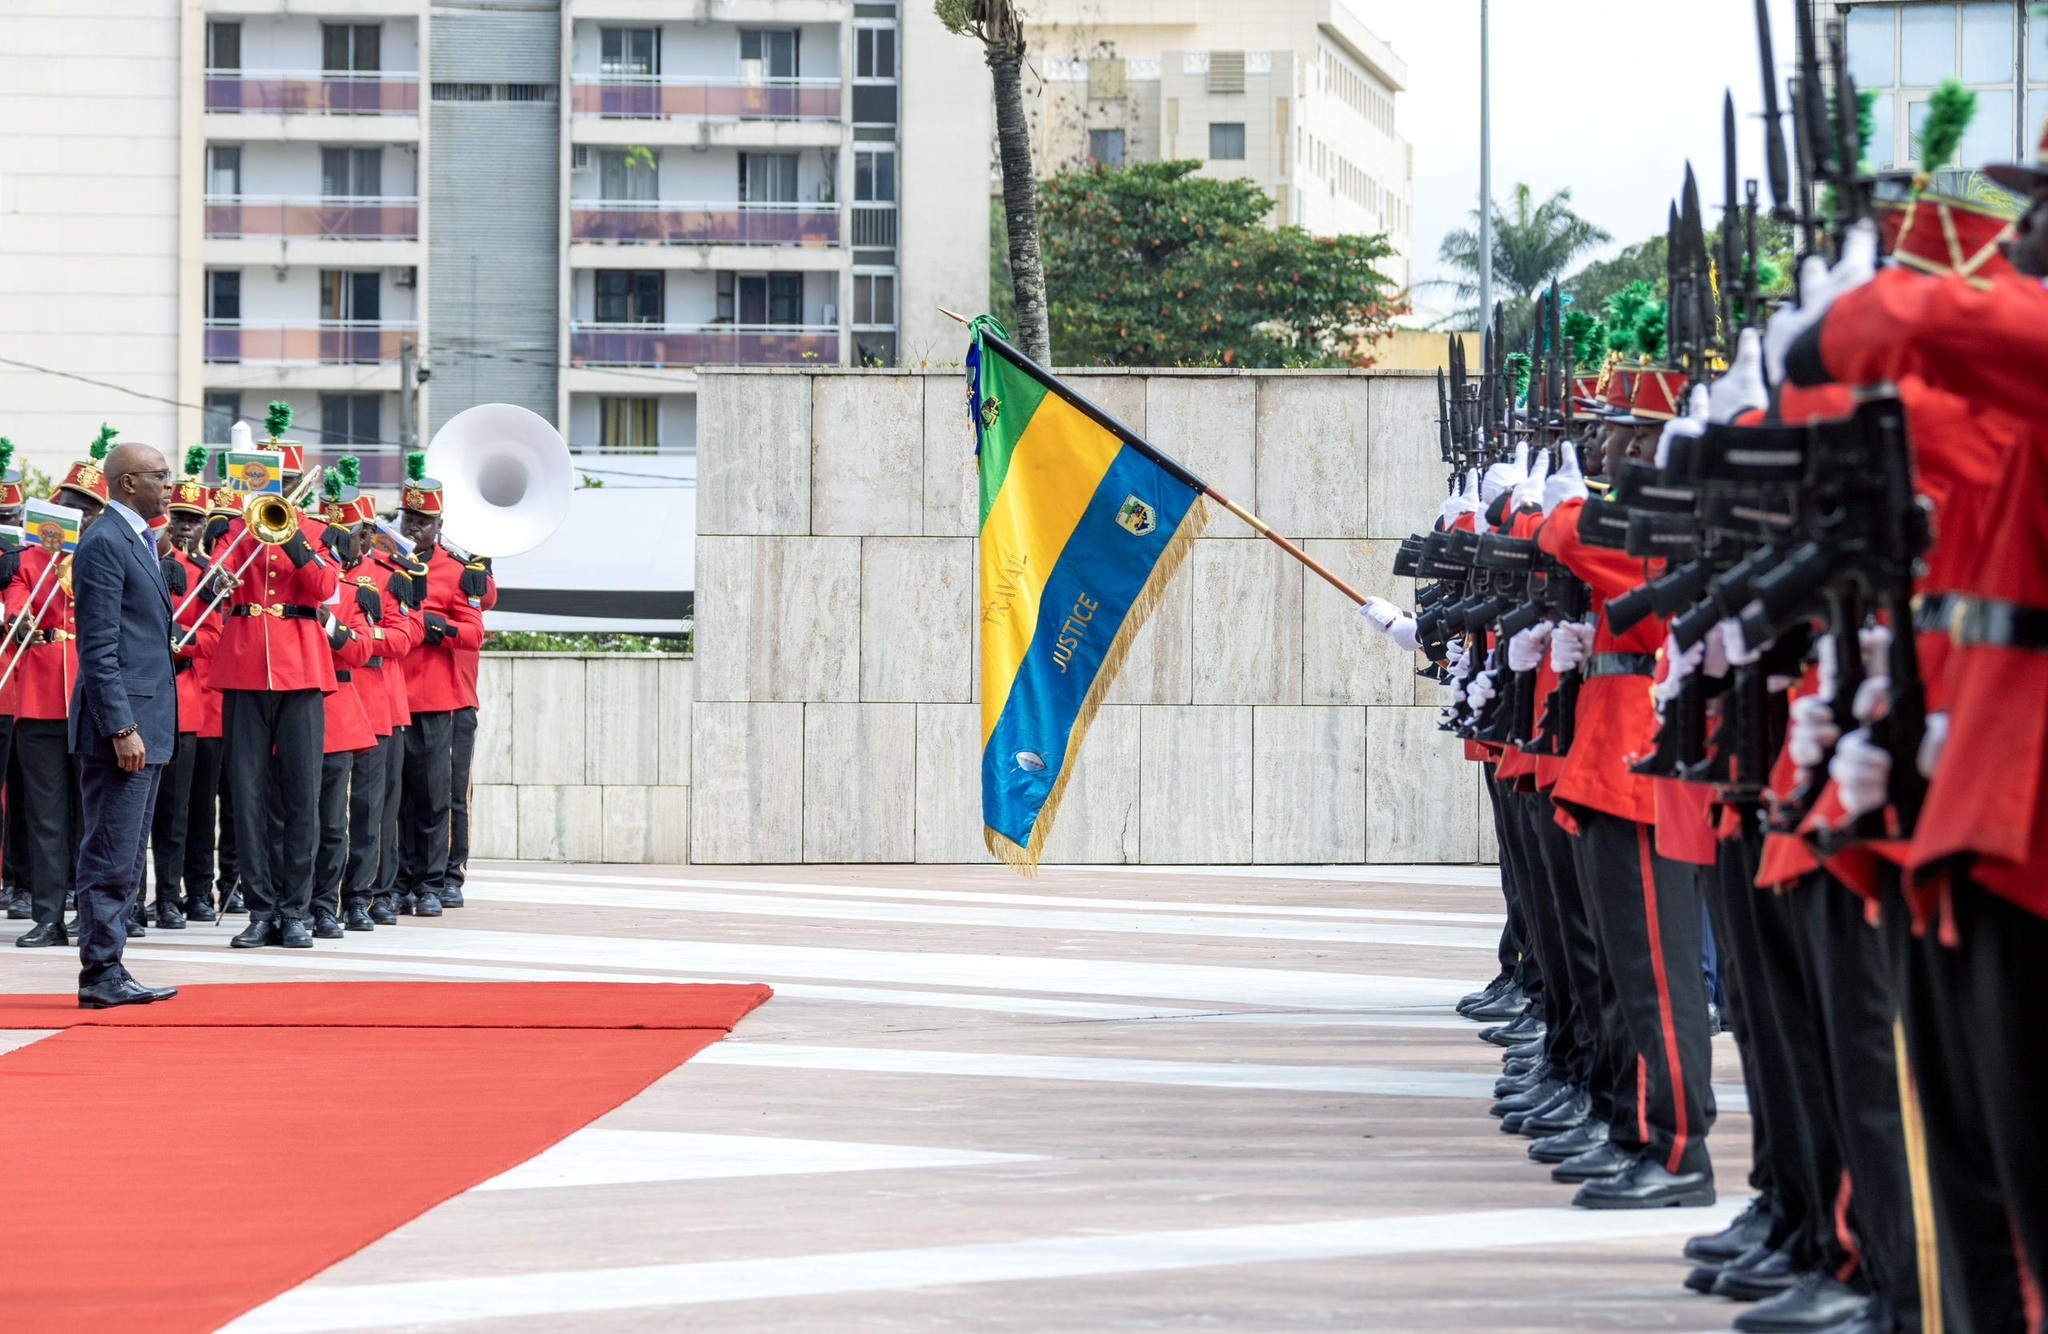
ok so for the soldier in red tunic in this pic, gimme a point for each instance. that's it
(479, 584)
(170, 826)
(12, 498)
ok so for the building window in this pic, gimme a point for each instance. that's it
(769, 53)
(1902, 53)
(629, 296)
(874, 175)
(351, 47)
(628, 425)
(1226, 141)
(767, 178)
(351, 419)
(351, 296)
(628, 177)
(223, 410)
(224, 295)
(351, 173)
(629, 52)
(874, 300)
(874, 54)
(223, 45)
(1106, 147)
(224, 171)
(761, 298)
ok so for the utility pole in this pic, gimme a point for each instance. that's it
(1485, 164)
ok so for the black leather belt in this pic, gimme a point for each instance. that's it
(1985, 623)
(179, 666)
(283, 610)
(45, 638)
(1932, 614)
(1621, 664)
(342, 676)
(374, 662)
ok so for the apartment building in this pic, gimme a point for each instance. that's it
(1903, 51)
(1297, 95)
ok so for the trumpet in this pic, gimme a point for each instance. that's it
(273, 521)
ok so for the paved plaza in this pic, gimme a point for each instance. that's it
(1103, 1100)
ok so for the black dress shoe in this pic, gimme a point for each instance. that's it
(294, 934)
(18, 908)
(235, 902)
(1758, 1273)
(1817, 1302)
(1531, 1076)
(43, 935)
(1598, 1163)
(134, 927)
(450, 896)
(1713, 1020)
(1528, 1028)
(1559, 1116)
(325, 926)
(260, 932)
(382, 912)
(1701, 1278)
(199, 908)
(1532, 1050)
(1587, 1134)
(1752, 1227)
(426, 905)
(1648, 1185)
(357, 918)
(1486, 993)
(1508, 1003)
(121, 991)
(169, 916)
(71, 927)
(1528, 1099)
(405, 905)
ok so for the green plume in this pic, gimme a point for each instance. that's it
(350, 469)
(103, 443)
(6, 455)
(195, 460)
(1649, 331)
(1518, 371)
(277, 419)
(1949, 112)
(1624, 308)
(1588, 337)
(415, 467)
(330, 485)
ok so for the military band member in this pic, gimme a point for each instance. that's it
(13, 888)
(171, 824)
(479, 584)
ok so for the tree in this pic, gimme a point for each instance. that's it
(996, 25)
(1152, 265)
(1533, 244)
(1646, 261)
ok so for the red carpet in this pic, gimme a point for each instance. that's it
(176, 1178)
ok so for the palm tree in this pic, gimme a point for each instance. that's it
(1533, 244)
(996, 25)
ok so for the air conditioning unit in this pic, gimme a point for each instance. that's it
(406, 277)
(579, 158)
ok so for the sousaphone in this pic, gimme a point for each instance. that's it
(505, 478)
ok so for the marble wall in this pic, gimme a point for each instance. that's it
(836, 679)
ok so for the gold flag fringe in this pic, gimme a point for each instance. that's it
(1024, 859)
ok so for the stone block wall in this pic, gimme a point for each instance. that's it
(836, 674)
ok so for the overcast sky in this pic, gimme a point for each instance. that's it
(1607, 97)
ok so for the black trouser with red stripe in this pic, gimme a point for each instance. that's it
(1606, 1055)
(1731, 901)
(1516, 938)
(1647, 912)
(1568, 1039)
(1975, 1044)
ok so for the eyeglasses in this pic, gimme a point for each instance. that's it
(161, 476)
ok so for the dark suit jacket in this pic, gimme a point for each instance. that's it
(123, 614)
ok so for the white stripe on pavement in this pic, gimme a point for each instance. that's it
(321, 1307)
(597, 1157)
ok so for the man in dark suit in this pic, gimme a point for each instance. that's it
(124, 715)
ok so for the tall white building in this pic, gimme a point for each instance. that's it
(1902, 51)
(1297, 95)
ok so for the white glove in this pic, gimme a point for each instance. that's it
(1824, 655)
(1742, 388)
(1819, 289)
(1480, 691)
(1691, 426)
(1933, 744)
(1527, 649)
(1504, 476)
(1862, 771)
(1454, 653)
(1530, 491)
(1566, 482)
(1716, 664)
(1876, 641)
(1813, 732)
(1569, 644)
(1381, 613)
(1873, 699)
(1734, 646)
(1683, 664)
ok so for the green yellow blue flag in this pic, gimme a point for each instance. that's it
(53, 526)
(256, 471)
(1082, 527)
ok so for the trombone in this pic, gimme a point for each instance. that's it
(35, 611)
(309, 480)
(273, 521)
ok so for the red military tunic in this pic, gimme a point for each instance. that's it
(46, 672)
(433, 678)
(1990, 796)
(194, 662)
(399, 708)
(270, 651)
(1616, 719)
(469, 660)
(348, 726)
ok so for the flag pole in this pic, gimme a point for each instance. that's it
(1145, 447)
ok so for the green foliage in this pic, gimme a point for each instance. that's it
(1519, 370)
(195, 460)
(1866, 123)
(955, 16)
(1598, 283)
(1002, 284)
(6, 455)
(277, 419)
(350, 469)
(415, 466)
(542, 641)
(1533, 245)
(36, 482)
(1150, 264)
(103, 443)
(1587, 337)
(1949, 113)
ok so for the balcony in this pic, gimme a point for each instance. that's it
(662, 97)
(680, 346)
(326, 343)
(665, 222)
(315, 92)
(344, 219)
